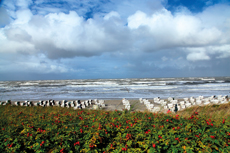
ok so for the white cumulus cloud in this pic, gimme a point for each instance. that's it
(55, 35)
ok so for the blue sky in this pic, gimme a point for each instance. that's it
(91, 39)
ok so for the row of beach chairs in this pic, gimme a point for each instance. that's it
(149, 105)
(77, 104)
(183, 103)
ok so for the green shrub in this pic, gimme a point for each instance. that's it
(54, 129)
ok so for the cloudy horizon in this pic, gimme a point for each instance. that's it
(92, 39)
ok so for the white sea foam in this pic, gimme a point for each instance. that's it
(205, 89)
(105, 83)
(153, 87)
(28, 83)
(215, 85)
(108, 88)
(90, 92)
(207, 79)
(142, 82)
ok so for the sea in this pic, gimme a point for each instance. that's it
(81, 89)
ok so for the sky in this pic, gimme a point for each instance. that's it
(98, 39)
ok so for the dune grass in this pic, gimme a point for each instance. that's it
(211, 111)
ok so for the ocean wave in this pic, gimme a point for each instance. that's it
(108, 88)
(153, 88)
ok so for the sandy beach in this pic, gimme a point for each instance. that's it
(135, 104)
(114, 104)
(117, 105)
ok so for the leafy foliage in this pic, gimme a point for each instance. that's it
(54, 129)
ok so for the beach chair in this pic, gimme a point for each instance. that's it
(224, 102)
(205, 100)
(56, 103)
(211, 97)
(198, 102)
(164, 104)
(97, 103)
(64, 101)
(86, 103)
(8, 102)
(178, 107)
(127, 107)
(201, 97)
(174, 101)
(215, 101)
(47, 104)
(30, 103)
(183, 106)
(4, 103)
(41, 102)
(185, 99)
(78, 106)
(170, 106)
(90, 102)
(156, 100)
(140, 99)
(192, 100)
(146, 101)
(17, 103)
(188, 104)
(155, 109)
(170, 98)
(75, 103)
(125, 102)
(102, 105)
(219, 96)
(150, 107)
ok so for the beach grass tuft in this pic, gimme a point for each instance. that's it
(212, 111)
